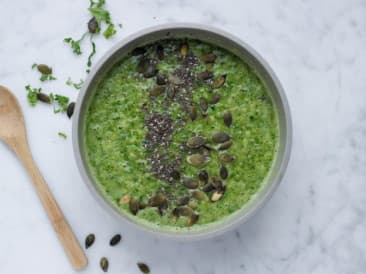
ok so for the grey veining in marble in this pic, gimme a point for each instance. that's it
(315, 222)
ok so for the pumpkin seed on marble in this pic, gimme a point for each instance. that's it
(208, 58)
(224, 173)
(220, 137)
(228, 118)
(144, 268)
(115, 240)
(226, 158)
(43, 98)
(93, 25)
(225, 145)
(196, 141)
(198, 160)
(70, 109)
(219, 82)
(44, 69)
(89, 240)
(104, 264)
(190, 183)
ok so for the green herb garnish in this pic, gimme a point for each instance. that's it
(46, 72)
(47, 77)
(69, 82)
(75, 44)
(32, 95)
(62, 135)
(60, 102)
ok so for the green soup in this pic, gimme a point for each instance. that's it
(180, 134)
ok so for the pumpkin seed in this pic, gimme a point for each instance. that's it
(216, 183)
(125, 199)
(176, 80)
(156, 91)
(203, 104)
(219, 82)
(225, 145)
(184, 48)
(151, 71)
(161, 79)
(44, 69)
(215, 98)
(175, 174)
(185, 211)
(115, 240)
(163, 207)
(227, 158)
(157, 199)
(192, 113)
(142, 205)
(138, 51)
(143, 65)
(104, 264)
(224, 173)
(216, 196)
(70, 109)
(134, 206)
(190, 183)
(196, 142)
(43, 98)
(181, 201)
(144, 268)
(192, 205)
(208, 187)
(198, 160)
(203, 176)
(93, 25)
(199, 195)
(220, 137)
(192, 219)
(170, 93)
(208, 58)
(89, 240)
(205, 75)
(228, 118)
(160, 52)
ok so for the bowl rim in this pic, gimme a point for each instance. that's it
(184, 235)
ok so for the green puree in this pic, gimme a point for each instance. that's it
(115, 134)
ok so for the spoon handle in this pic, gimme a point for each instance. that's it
(63, 230)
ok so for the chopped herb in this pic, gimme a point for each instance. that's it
(75, 44)
(110, 31)
(62, 135)
(69, 82)
(47, 77)
(32, 95)
(60, 103)
(120, 25)
(91, 54)
(34, 65)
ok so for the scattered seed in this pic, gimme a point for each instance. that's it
(176, 80)
(44, 69)
(115, 240)
(43, 98)
(170, 93)
(198, 160)
(157, 199)
(228, 118)
(144, 268)
(224, 173)
(203, 104)
(196, 142)
(151, 71)
(192, 219)
(216, 183)
(203, 176)
(125, 199)
(138, 51)
(219, 82)
(134, 206)
(215, 98)
(93, 25)
(156, 91)
(208, 187)
(208, 58)
(160, 52)
(205, 75)
(185, 211)
(199, 195)
(190, 183)
(89, 240)
(227, 158)
(143, 65)
(142, 205)
(216, 196)
(192, 205)
(161, 79)
(163, 207)
(192, 113)
(181, 201)
(175, 174)
(225, 145)
(184, 48)
(70, 109)
(220, 137)
(104, 264)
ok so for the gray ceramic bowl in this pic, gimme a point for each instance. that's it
(219, 38)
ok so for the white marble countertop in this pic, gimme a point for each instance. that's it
(315, 222)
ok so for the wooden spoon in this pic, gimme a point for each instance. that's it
(13, 133)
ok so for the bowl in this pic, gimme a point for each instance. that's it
(222, 39)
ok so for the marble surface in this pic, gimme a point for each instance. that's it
(315, 222)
